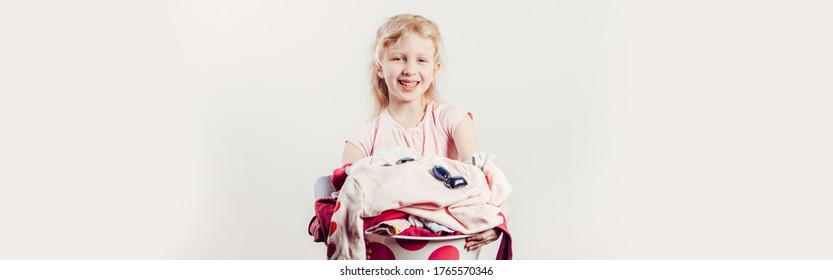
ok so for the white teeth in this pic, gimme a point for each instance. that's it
(408, 84)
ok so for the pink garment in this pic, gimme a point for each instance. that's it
(504, 252)
(319, 225)
(410, 188)
(432, 136)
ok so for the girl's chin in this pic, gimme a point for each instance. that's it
(408, 96)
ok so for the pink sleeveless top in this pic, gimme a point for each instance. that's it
(432, 136)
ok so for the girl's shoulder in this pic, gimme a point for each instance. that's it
(450, 112)
(446, 108)
(448, 116)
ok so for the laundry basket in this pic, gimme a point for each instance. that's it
(397, 247)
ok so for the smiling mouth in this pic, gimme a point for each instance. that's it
(408, 86)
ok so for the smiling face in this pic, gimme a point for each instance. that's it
(408, 68)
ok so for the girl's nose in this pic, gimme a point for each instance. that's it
(410, 69)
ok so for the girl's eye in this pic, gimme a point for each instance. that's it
(397, 59)
(423, 60)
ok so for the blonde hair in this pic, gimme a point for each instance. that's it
(387, 35)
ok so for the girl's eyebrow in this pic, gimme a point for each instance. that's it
(402, 53)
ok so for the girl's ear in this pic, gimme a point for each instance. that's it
(379, 72)
(436, 69)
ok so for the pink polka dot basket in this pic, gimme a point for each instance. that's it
(419, 247)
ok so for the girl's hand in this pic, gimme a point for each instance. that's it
(478, 240)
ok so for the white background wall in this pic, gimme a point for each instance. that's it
(630, 129)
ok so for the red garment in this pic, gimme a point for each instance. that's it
(339, 175)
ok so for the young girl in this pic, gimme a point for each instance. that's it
(406, 58)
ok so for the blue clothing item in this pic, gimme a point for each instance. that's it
(434, 226)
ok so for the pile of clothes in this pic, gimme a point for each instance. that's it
(397, 192)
